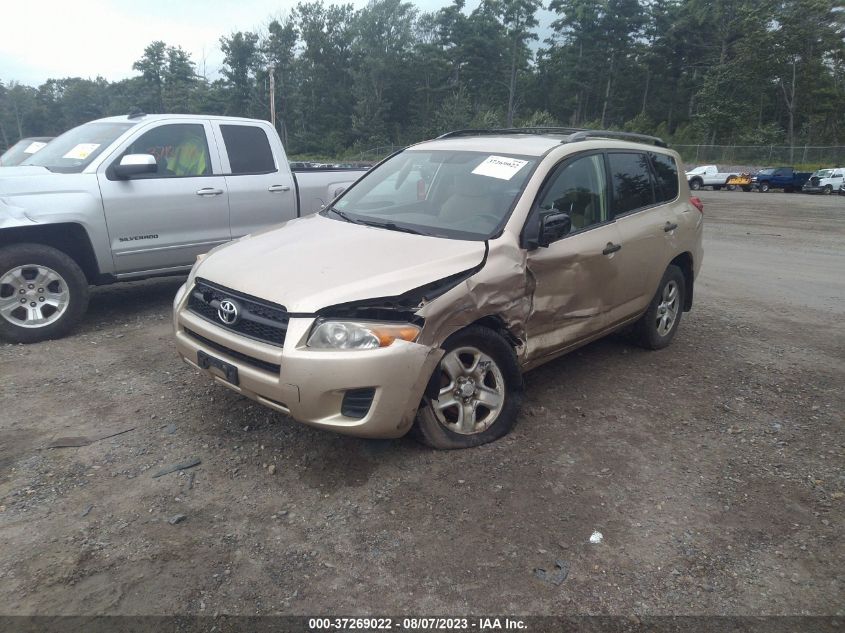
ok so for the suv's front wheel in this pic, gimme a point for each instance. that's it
(43, 293)
(478, 387)
(657, 327)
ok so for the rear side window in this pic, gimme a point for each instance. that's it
(248, 149)
(632, 185)
(667, 177)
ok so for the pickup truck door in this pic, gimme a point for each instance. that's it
(261, 188)
(160, 222)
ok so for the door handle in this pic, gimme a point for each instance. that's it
(611, 248)
(209, 191)
(275, 188)
(669, 226)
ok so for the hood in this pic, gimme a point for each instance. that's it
(314, 262)
(34, 180)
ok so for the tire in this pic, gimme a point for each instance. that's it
(53, 285)
(650, 331)
(695, 184)
(439, 424)
(828, 189)
(764, 187)
(730, 187)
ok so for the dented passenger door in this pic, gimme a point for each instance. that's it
(575, 278)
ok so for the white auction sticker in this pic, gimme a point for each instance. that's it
(500, 167)
(34, 147)
(82, 151)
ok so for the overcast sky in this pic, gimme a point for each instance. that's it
(45, 39)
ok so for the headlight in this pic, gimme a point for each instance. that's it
(359, 334)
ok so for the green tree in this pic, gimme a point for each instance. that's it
(241, 59)
(152, 67)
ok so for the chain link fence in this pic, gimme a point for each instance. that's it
(763, 155)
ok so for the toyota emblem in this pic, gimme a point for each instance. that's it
(228, 312)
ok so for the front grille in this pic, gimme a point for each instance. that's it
(356, 402)
(257, 319)
(244, 358)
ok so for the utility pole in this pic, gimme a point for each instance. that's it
(273, 97)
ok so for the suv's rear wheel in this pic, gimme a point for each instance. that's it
(657, 327)
(43, 293)
(479, 392)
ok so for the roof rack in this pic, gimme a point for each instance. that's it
(574, 134)
(511, 130)
(584, 135)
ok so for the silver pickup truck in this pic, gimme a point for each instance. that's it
(137, 196)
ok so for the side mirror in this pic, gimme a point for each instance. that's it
(553, 226)
(135, 165)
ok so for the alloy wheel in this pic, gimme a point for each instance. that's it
(471, 393)
(33, 296)
(667, 309)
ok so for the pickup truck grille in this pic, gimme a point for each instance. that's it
(254, 318)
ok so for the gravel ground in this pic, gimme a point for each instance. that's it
(713, 469)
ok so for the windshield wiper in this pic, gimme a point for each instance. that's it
(392, 227)
(342, 216)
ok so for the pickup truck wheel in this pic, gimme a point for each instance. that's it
(43, 293)
(479, 392)
(764, 187)
(828, 189)
(695, 184)
(657, 327)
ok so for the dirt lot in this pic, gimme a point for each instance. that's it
(713, 469)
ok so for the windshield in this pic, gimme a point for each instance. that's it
(698, 170)
(766, 172)
(22, 150)
(462, 195)
(823, 173)
(74, 150)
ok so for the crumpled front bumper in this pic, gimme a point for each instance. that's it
(310, 384)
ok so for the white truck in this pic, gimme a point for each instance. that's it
(708, 176)
(825, 181)
(129, 197)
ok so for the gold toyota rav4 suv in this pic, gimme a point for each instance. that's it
(419, 297)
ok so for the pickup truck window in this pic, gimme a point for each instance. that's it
(180, 149)
(454, 194)
(579, 189)
(667, 177)
(632, 186)
(74, 150)
(248, 149)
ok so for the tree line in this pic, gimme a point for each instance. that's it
(692, 71)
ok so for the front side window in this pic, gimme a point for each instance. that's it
(579, 190)
(666, 172)
(631, 178)
(248, 149)
(74, 150)
(445, 193)
(180, 149)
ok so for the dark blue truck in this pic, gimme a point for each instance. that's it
(784, 178)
